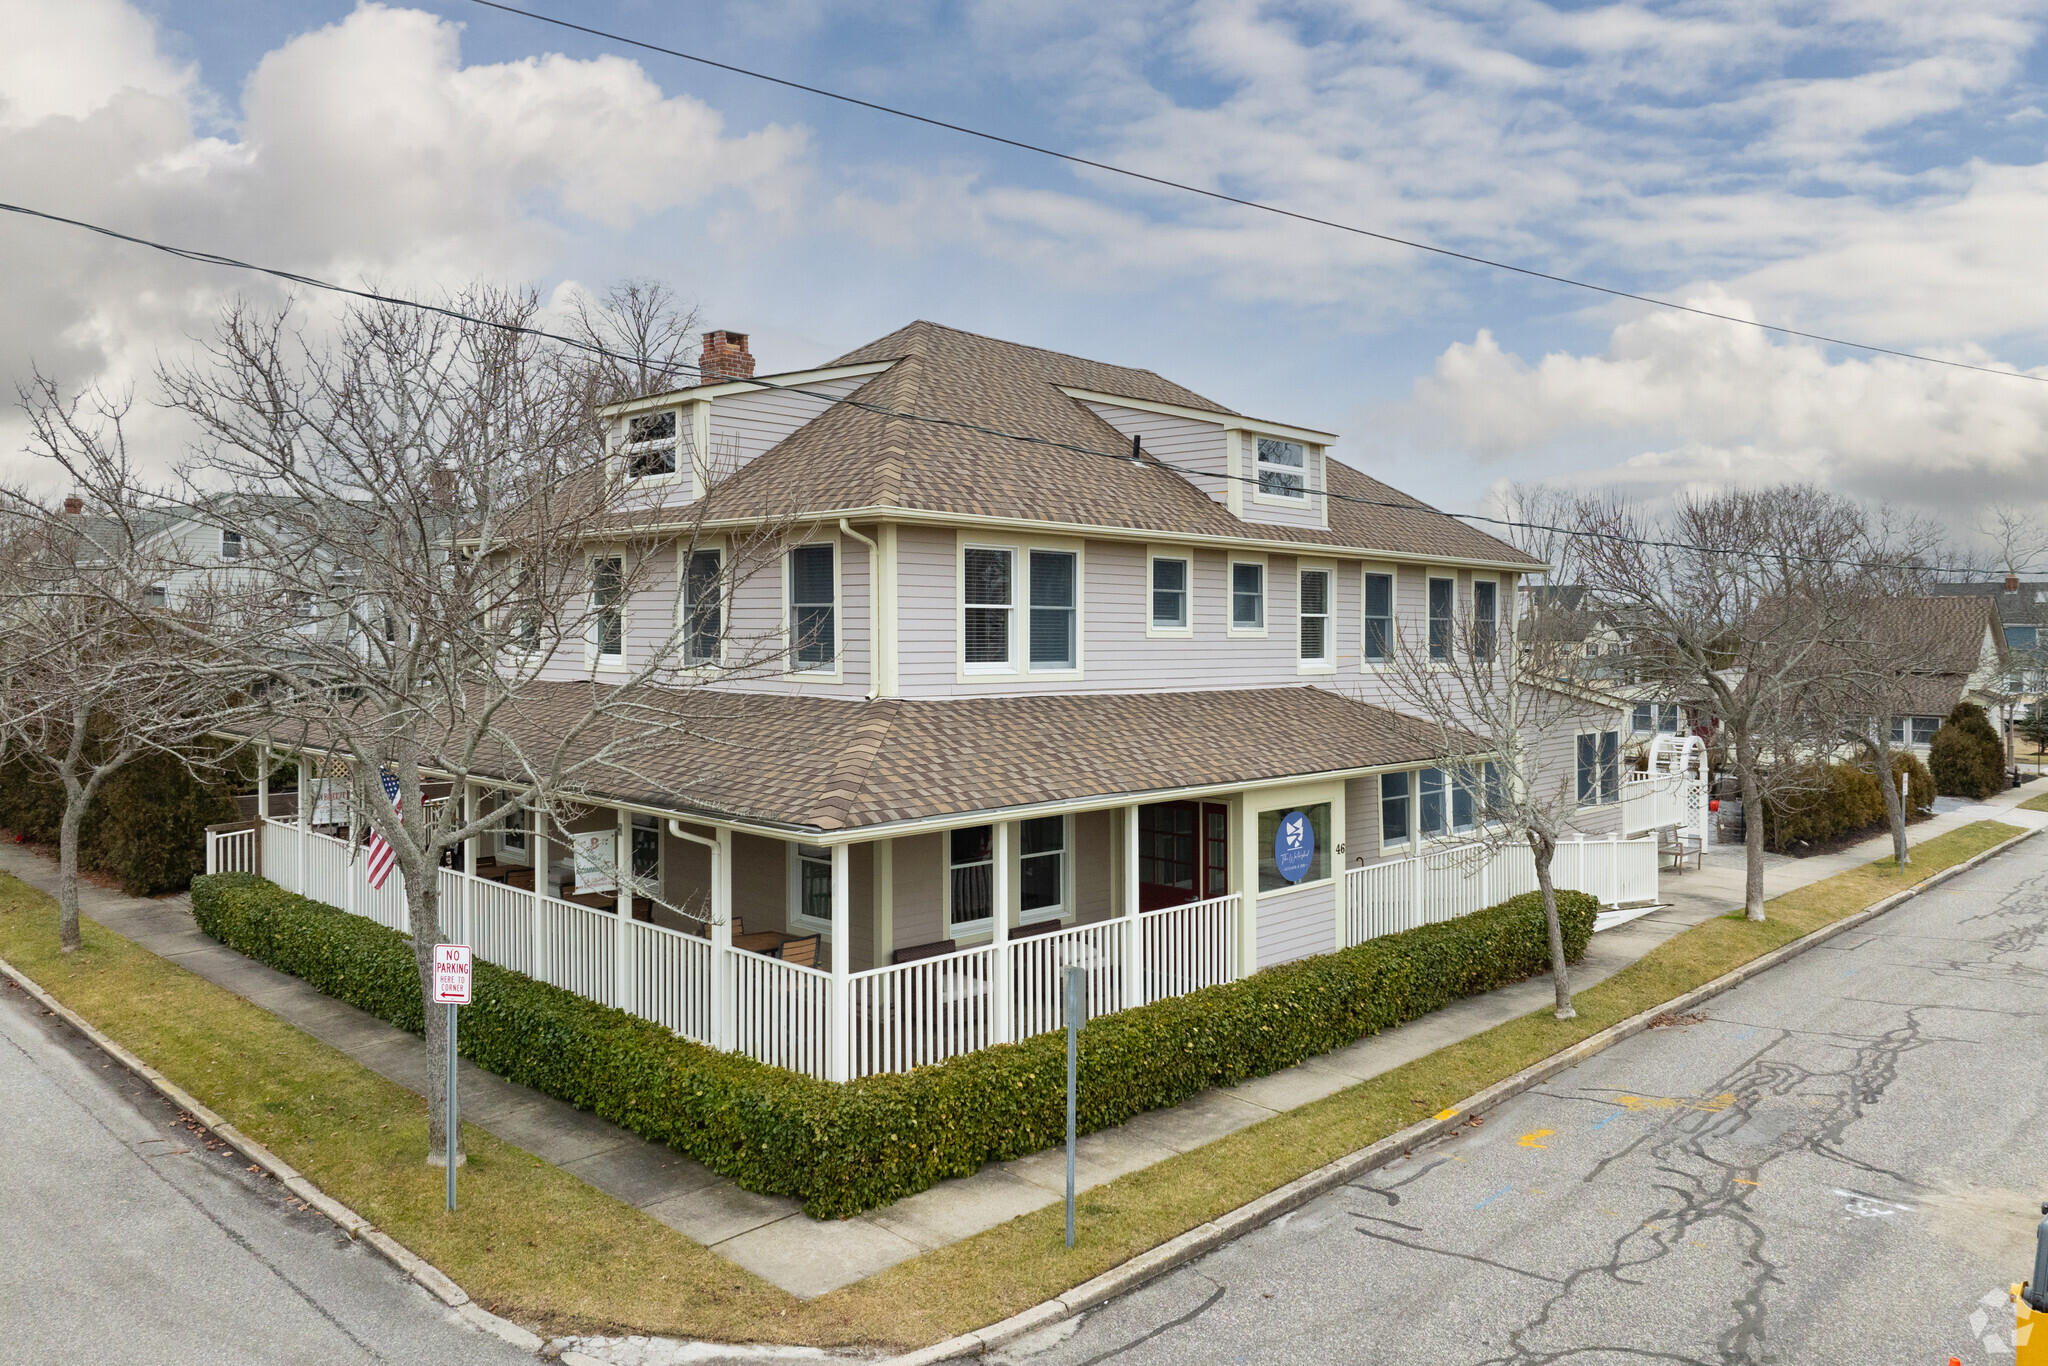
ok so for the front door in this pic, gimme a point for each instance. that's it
(1183, 853)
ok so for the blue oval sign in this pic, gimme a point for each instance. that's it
(1294, 846)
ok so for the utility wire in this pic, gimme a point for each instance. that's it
(1260, 205)
(1135, 456)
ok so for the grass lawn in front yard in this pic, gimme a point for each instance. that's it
(537, 1245)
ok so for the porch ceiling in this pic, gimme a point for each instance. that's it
(837, 765)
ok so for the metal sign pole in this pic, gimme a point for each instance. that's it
(452, 1146)
(1077, 1007)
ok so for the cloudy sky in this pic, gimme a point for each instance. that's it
(1869, 170)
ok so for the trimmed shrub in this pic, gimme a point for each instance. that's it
(146, 825)
(1841, 800)
(1967, 757)
(1919, 792)
(844, 1149)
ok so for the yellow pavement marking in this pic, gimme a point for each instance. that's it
(1529, 1140)
(1445, 1114)
(1705, 1104)
(1740, 1182)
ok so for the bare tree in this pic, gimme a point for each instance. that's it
(638, 335)
(91, 680)
(1733, 599)
(2014, 540)
(1506, 711)
(442, 575)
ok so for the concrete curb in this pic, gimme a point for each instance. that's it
(1204, 1238)
(351, 1223)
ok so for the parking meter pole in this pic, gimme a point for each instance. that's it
(452, 1146)
(1077, 1004)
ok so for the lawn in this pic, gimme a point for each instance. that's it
(539, 1246)
(2039, 803)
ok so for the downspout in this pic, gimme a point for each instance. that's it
(874, 618)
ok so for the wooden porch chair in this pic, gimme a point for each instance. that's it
(936, 949)
(803, 952)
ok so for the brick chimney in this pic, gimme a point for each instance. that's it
(73, 506)
(2012, 581)
(725, 357)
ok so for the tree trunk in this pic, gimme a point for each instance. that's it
(1894, 803)
(1752, 833)
(1560, 970)
(423, 907)
(75, 801)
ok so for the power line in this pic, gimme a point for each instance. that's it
(1136, 456)
(1260, 205)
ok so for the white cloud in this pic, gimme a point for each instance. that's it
(1691, 402)
(365, 150)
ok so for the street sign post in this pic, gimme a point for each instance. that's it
(1077, 1015)
(451, 989)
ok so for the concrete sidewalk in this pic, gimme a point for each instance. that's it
(772, 1238)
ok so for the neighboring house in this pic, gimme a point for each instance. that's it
(1957, 650)
(1571, 614)
(1023, 686)
(2023, 620)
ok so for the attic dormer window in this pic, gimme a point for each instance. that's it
(651, 444)
(1283, 468)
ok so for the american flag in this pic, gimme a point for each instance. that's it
(380, 856)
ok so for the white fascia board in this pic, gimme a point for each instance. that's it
(794, 379)
(1229, 422)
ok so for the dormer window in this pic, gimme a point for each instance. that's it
(1283, 468)
(650, 447)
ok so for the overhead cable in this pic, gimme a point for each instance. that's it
(1261, 205)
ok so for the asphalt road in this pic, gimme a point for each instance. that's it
(1839, 1162)
(129, 1235)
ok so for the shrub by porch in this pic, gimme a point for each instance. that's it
(847, 1148)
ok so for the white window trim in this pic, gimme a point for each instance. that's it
(660, 848)
(1328, 663)
(1185, 555)
(1019, 668)
(682, 553)
(1472, 606)
(1400, 848)
(681, 474)
(1311, 462)
(797, 920)
(790, 668)
(967, 929)
(221, 547)
(506, 853)
(592, 660)
(1065, 911)
(1285, 799)
(1450, 657)
(1393, 617)
(1230, 626)
(1602, 797)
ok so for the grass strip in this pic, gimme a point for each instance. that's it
(536, 1244)
(2039, 803)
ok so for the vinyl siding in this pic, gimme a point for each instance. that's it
(745, 425)
(920, 900)
(1361, 821)
(1295, 924)
(760, 882)
(1178, 441)
(1095, 868)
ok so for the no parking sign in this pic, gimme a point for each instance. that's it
(451, 974)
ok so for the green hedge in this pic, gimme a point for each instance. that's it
(844, 1149)
(146, 825)
(1840, 800)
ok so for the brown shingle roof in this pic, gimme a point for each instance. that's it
(833, 765)
(1944, 634)
(852, 457)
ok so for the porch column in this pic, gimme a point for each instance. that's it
(999, 1028)
(622, 919)
(1134, 948)
(719, 997)
(468, 882)
(837, 1032)
(305, 814)
(537, 854)
(885, 900)
(262, 785)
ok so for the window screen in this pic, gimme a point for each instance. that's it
(1170, 593)
(812, 615)
(1052, 609)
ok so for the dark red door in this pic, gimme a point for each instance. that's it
(1183, 853)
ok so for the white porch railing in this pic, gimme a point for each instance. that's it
(781, 1012)
(1442, 884)
(1654, 801)
(909, 1014)
(231, 851)
(1186, 948)
(1038, 969)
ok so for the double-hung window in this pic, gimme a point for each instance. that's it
(970, 869)
(813, 608)
(1393, 809)
(512, 832)
(1599, 772)
(813, 883)
(1463, 791)
(1430, 810)
(608, 608)
(1169, 594)
(1645, 719)
(1379, 618)
(1042, 868)
(990, 604)
(230, 545)
(1485, 617)
(1282, 468)
(703, 607)
(156, 596)
(1442, 600)
(1053, 600)
(1247, 595)
(651, 444)
(1315, 616)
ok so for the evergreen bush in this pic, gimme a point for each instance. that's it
(846, 1148)
(146, 825)
(1967, 757)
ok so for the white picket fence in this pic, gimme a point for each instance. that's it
(1655, 801)
(1444, 883)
